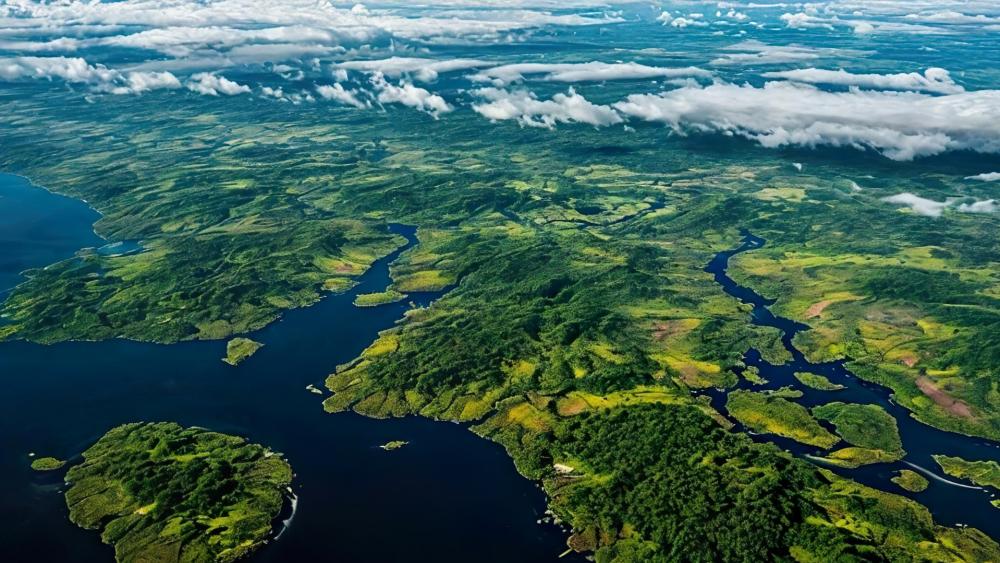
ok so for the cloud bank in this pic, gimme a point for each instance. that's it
(935, 80)
(527, 110)
(338, 93)
(900, 125)
(421, 69)
(409, 95)
(932, 208)
(593, 71)
(987, 177)
(78, 71)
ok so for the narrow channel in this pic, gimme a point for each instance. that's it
(950, 500)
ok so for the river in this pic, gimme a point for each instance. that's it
(952, 501)
(447, 496)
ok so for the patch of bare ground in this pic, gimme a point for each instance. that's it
(816, 309)
(942, 399)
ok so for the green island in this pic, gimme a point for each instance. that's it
(393, 445)
(817, 381)
(580, 317)
(773, 414)
(982, 473)
(239, 349)
(752, 374)
(785, 392)
(161, 492)
(869, 428)
(910, 480)
(47, 464)
(376, 299)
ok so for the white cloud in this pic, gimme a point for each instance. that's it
(935, 80)
(197, 29)
(211, 84)
(60, 45)
(931, 208)
(74, 70)
(919, 205)
(340, 94)
(269, 92)
(986, 177)
(953, 17)
(593, 71)
(756, 53)
(808, 20)
(901, 125)
(78, 71)
(680, 21)
(985, 206)
(805, 21)
(139, 82)
(526, 109)
(421, 69)
(409, 95)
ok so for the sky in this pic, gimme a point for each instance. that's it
(906, 79)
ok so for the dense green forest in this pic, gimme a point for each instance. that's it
(161, 492)
(580, 320)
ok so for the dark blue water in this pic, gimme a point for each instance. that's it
(38, 228)
(952, 501)
(447, 496)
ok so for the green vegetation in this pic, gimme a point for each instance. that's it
(785, 392)
(983, 473)
(160, 492)
(752, 374)
(774, 415)
(393, 445)
(865, 426)
(239, 349)
(687, 482)
(376, 299)
(817, 381)
(868, 427)
(920, 314)
(579, 308)
(910, 480)
(47, 464)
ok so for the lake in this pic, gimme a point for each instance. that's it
(448, 495)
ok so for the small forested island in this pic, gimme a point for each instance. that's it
(982, 473)
(871, 432)
(393, 445)
(910, 480)
(817, 381)
(161, 492)
(239, 349)
(376, 299)
(47, 464)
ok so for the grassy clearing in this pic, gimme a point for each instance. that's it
(775, 415)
